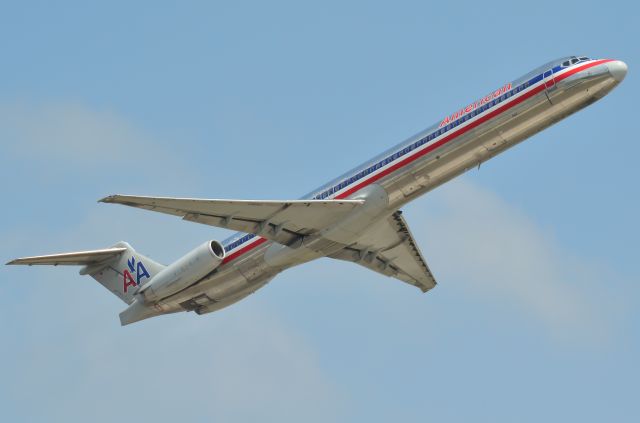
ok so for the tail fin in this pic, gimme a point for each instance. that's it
(120, 268)
(122, 275)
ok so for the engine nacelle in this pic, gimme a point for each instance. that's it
(183, 272)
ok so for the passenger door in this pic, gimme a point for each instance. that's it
(549, 83)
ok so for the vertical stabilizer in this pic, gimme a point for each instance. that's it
(125, 273)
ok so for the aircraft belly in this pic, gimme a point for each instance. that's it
(231, 299)
(218, 287)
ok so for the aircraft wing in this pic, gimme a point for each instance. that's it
(72, 259)
(280, 221)
(389, 248)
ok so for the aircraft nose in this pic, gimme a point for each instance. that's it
(617, 69)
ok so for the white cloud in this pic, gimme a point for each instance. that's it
(70, 140)
(66, 347)
(72, 131)
(243, 365)
(497, 253)
(69, 351)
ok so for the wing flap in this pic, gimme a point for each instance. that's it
(77, 258)
(280, 221)
(389, 248)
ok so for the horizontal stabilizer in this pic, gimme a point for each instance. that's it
(70, 259)
(119, 268)
(280, 221)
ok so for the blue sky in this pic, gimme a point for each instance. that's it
(535, 315)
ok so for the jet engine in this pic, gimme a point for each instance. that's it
(183, 272)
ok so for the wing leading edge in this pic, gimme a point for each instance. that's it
(280, 221)
(389, 248)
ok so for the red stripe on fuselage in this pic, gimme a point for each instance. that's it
(462, 131)
(244, 250)
(448, 138)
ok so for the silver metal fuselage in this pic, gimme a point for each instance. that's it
(454, 145)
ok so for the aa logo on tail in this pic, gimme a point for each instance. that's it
(138, 270)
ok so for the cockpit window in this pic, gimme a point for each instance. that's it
(573, 60)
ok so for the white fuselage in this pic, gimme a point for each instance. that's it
(458, 143)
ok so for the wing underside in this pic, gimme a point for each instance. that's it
(280, 221)
(389, 248)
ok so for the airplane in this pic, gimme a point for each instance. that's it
(356, 217)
